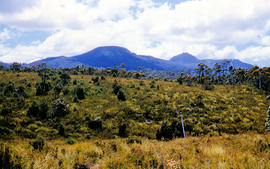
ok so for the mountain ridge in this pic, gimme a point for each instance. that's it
(111, 56)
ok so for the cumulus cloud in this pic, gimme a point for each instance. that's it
(5, 35)
(205, 28)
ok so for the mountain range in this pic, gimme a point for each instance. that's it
(110, 56)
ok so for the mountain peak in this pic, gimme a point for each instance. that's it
(111, 49)
(184, 58)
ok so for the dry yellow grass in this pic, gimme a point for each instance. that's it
(227, 151)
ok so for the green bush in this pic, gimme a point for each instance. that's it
(96, 80)
(152, 84)
(103, 78)
(70, 141)
(21, 92)
(43, 110)
(118, 91)
(9, 89)
(38, 110)
(75, 82)
(66, 91)
(61, 129)
(33, 110)
(60, 107)
(95, 124)
(122, 132)
(43, 88)
(169, 130)
(58, 88)
(75, 99)
(39, 143)
(121, 96)
(116, 87)
(29, 84)
(79, 92)
(65, 78)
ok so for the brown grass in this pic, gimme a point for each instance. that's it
(227, 151)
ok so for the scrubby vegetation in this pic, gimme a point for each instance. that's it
(227, 151)
(53, 114)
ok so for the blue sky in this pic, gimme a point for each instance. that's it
(217, 29)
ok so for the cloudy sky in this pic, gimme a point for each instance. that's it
(36, 29)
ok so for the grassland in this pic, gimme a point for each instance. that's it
(227, 151)
(225, 126)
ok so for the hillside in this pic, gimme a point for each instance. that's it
(44, 118)
(226, 109)
(111, 56)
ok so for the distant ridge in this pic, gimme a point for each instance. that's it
(111, 56)
(5, 65)
(191, 61)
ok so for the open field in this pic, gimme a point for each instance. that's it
(227, 151)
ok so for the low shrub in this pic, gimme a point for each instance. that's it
(134, 139)
(60, 107)
(70, 141)
(39, 143)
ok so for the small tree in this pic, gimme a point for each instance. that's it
(118, 91)
(79, 92)
(43, 88)
(60, 107)
(15, 66)
(121, 96)
(65, 78)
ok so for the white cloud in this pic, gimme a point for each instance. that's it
(265, 40)
(206, 28)
(5, 35)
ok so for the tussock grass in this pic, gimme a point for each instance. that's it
(227, 151)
